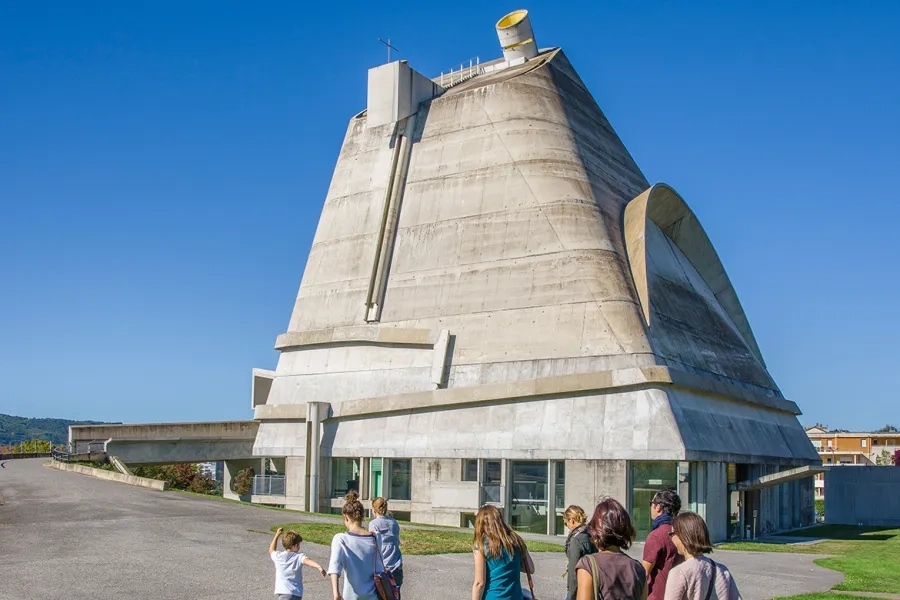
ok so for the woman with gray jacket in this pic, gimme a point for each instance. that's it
(578, 544)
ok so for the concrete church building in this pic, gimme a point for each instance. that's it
(499, 307)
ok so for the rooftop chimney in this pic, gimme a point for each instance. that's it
(516, 37)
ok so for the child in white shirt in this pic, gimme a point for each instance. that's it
(289, 565)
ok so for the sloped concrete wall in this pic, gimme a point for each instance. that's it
(153, 484)
(868, 496)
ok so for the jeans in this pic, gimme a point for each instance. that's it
(288, 597)
(398, 577)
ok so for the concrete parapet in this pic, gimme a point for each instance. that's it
(153, 484)
(868, 496)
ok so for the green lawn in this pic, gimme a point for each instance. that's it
(869, 557)
(412, 541)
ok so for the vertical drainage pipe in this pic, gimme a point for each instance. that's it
(379, 242)
(389, 233)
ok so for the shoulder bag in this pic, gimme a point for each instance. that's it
(712, 580)
(385, 585)
(595, 576)
(530, 594)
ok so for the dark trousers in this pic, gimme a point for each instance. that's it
(398, 577)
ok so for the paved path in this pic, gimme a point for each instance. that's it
(65, 535)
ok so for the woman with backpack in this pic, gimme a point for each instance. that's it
(356, 554)
(578, 544)
(698, 577)
(610, 574)
(388, 531)
(500, 557)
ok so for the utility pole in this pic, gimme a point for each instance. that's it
(389, 47)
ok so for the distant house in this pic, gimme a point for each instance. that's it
(846, 448)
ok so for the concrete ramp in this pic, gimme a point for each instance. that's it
(166, 443)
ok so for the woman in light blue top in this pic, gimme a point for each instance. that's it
(355, 554)
(388, 531)
(500, 557)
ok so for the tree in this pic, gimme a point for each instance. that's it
(885, 459)
(242, 483)
(887, 429)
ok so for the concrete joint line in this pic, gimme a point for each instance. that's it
(618, 380)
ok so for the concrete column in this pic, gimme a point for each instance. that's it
(504, 486)
(551, 498)
(315, 412)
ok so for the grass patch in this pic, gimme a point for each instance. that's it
(869, 557)
(824, 596)
(412, 541)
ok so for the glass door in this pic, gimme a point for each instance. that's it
(529, 501)
(647, 478)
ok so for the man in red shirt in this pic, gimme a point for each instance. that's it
(660, 554)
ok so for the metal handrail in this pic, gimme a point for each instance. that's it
(269, 485)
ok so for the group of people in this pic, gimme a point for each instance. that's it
(674, 564)
(359, 555)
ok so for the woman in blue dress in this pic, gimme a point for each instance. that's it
(500, 556)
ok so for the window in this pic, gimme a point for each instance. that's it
(491, 477)
(560, 497)
(467, 520)
(400, 480)
(827, 460)
(470, 470)
(874, 442)
(530, 496)
(829, 443)
(862, 443)
(344, 476)
(647, 478)
(817, 443)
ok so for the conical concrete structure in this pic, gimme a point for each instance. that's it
(498, 306)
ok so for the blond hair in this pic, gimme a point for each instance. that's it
(575, 513)
(493, 536)
(379, 506)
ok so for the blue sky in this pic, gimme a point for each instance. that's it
(163, 165)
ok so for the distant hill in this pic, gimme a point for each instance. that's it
(19, 429)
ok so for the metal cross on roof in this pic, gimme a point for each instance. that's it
(389, 47)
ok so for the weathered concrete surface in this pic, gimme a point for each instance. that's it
(171, 546)
(518, 199)
(862, 495)
(161, 443)
(153, 484)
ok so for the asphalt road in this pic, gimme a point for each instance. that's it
(65, 535)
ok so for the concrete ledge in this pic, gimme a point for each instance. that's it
(356, 335)
(153, 484)
(600, 381)
(280, 412)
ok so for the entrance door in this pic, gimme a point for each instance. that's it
(376, 479)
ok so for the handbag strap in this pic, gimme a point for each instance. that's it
(524, 567)
(712, 579)
(378, 556)
(595, 575)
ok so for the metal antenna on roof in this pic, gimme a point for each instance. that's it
(389, 47)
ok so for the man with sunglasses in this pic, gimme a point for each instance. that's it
(660, 554)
